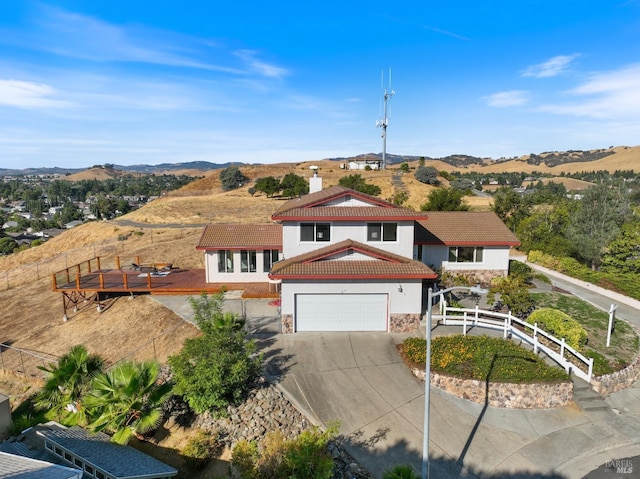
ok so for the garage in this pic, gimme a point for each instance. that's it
(341, 312)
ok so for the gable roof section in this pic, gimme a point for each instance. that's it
(314, 207)
(318, 264)
(241, 236)
(463, 228)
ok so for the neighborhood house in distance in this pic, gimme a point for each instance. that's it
(347, 261)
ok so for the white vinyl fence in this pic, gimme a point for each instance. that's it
(512, 327)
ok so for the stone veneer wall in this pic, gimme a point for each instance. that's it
(611, 383)
(287, 323)
(508, 395)
(404, 322)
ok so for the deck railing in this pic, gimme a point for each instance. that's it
(512, 327)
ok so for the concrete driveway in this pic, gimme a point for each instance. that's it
(360, 380)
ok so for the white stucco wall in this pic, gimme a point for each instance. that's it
(494, 258)
(407, 301)
(213, 276)
(343, 230)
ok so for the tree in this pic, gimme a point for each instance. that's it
(268, 185)
(294, 185)
(7, 245)
(445, 199)
(126, 400)
(232, 178)
(219, 367)
(427, 175)
(623, 253)
(545, 228)
(602, 210)
(68, 381)
(357, 183)
(510, 207)
(404, 167)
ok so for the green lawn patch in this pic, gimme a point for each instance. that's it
(483, 358)
(624, 340)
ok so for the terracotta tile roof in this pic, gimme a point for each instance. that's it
(311, 207)
(459, 228)
(241, 236)
(316, 265)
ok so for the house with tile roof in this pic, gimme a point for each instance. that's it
(348, 261)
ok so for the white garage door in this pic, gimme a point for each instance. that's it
(341, 312)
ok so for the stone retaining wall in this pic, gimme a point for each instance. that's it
(514, 396)
(611, 383)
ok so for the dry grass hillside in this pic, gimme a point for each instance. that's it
(168, 230)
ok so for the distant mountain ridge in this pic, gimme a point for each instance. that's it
(549, 159)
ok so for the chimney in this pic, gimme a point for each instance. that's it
(315, 182)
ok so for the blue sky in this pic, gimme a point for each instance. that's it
(148, 82)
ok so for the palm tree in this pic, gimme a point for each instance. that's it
(68, 381)
(127, 400)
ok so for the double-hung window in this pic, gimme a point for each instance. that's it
(225, 261)
(465, 254)
(382, 231)
(315, 232)
(248, 261)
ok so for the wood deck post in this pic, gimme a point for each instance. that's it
(54, 281)
(118, 263)
(101, 281)
(98, 258)
(149, 280)
(77, 280)
(125, 281)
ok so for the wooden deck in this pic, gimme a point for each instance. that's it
(170, 282)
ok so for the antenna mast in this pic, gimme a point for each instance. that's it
(384, 122)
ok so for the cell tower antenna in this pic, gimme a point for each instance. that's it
(384, 121)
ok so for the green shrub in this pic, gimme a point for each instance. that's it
(415, 350)
(514, 294)
(560, 325)
(483, 358)
(306, 457)
(400, 472)
(518, 268)
(200, 448)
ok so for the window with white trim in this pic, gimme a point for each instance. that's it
(315, 232)
(466, 254)
(382, 231)
(248, 261)
(225, 261)
(269, 256)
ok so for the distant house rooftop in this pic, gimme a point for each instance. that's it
(94, 455)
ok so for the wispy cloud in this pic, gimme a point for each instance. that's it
(506, 99)
(613, 94)
(445, 32)
(555, 66)
(84, 37)
(259, 66)
(24, 94)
